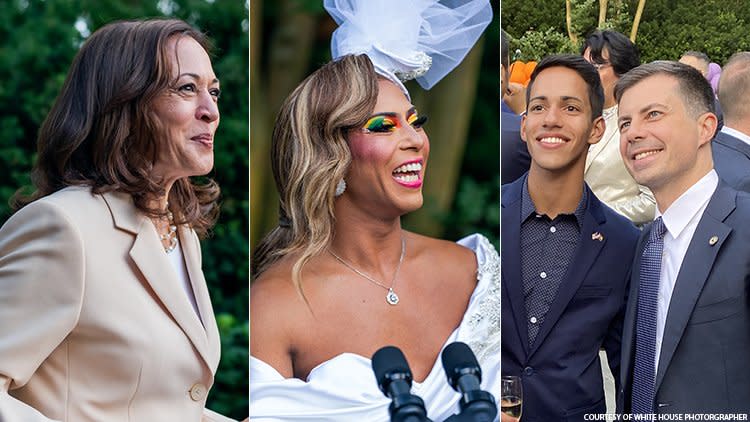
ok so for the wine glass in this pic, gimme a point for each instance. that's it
(511, 397)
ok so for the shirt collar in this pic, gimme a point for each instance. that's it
(528, 208)
(684, 209)
(736, 133)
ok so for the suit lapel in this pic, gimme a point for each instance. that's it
(510, 249)
(148, 256)
(695, 269)
(586, 252)
(191, 249)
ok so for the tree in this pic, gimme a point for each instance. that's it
(637, 19)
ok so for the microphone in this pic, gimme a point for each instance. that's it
(465, 376)
(394, 379)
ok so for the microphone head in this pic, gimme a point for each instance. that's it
(459, 360)
(389, 364)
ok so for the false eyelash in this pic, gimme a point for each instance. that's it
(419, 122)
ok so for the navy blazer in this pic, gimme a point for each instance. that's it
(703, 365)
(732, 160)
(515, 159)
(561, 372)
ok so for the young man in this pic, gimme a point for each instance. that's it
(687, 326)
(565, 255)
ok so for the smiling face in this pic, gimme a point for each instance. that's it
(557, 127)
(389, 156)
(188, 113)
(663, 146)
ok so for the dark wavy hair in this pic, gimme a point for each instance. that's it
(623, 54)
(102, 131)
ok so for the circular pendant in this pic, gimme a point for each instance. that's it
(391, 297)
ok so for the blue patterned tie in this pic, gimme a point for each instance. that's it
(644, 373)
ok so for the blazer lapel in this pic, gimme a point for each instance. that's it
(695, 269)
(586, 252)
(510, 251)
(191, 249)
(148, 256)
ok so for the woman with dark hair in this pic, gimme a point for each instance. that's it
(339, 278)
(104, 308)
(613, 55)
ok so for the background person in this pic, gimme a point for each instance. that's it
(613, 54)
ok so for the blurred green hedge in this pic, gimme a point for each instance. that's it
(667, 28)
(39, 40)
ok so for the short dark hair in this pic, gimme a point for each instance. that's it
(623, 54)
(695, 90)
(504, 50)
(584, 69)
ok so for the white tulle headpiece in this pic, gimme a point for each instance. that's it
(409, 39)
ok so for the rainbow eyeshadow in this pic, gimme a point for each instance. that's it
(381, 123)
(412, 117)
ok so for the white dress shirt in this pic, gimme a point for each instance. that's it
(736, 133)
(681, 220)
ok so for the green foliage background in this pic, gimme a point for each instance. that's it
(667, 29)
(39, 40)
(475, 205)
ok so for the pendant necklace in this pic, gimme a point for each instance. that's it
(391, 297)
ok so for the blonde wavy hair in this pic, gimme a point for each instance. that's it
(310, 154)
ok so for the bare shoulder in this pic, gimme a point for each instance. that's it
(276, 311)
(446, 257)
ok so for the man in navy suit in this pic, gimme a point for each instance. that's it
(731, 146)
(514, 155)
(687, 327)
(566, 256)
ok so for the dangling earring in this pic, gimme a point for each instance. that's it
(340, 188)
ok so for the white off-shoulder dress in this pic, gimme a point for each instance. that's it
(344, 389)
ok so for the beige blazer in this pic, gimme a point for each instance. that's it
(94, 323)
(608, 177)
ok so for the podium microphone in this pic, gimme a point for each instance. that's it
(465, 376)
(394, 379)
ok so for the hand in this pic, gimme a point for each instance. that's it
(515, 98)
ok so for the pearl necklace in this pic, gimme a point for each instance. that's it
(171, 235)
(391, 297)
